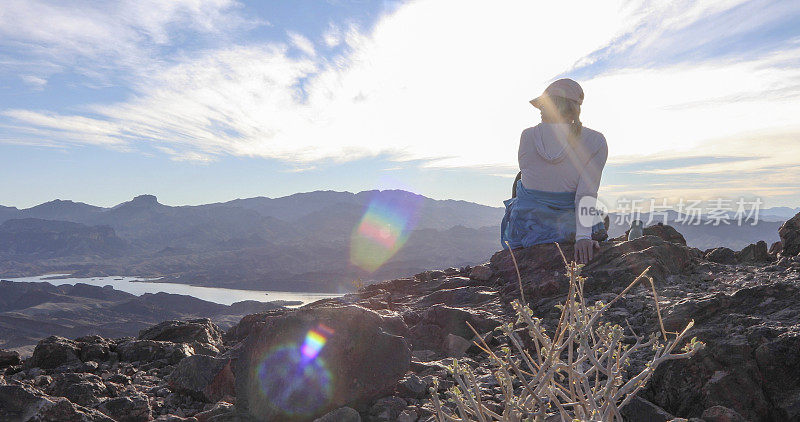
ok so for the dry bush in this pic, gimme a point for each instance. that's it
(577, 373)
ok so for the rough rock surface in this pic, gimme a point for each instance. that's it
(755, 252)
(206, 378)
(195, 330)
(53, 352)
(373, 355)
(9, 358)
(721, 255)
(666, 232)
(24, 403)
(151, 350)
(790, 236)
(361, 359)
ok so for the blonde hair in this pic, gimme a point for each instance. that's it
(568, 110)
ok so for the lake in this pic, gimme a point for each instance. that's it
(211, 294)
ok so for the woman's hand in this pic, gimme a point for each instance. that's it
(584, 250)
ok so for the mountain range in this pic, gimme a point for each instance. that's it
(299, 242)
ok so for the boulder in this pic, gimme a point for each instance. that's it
(481, 272)
(246, 325)
(775, 248)
(665, 232)
(412, 386)
(203, 377)
(220, 412)
(641, 410)
(538, 266)
(342, 414)
(151, 350)
(408, 415)
(618, 264)
(429, 275)
(19, 402)
(53, 352)
(721, 255)
(456, 346)
(749, 364)
(80, 388)
(8, 358)
(541, 267)
(454, 320)
(134, 408)
(754, 253)
(93, 348)
(779, 362)
(789, 233)
(199, 330)
(311, 361)
(460, 296)
(387, 409)
(722, 414)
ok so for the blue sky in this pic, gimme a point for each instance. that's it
(202, 101)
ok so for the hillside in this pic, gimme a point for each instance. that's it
(377, 354)
(299, 242)
(31, 311)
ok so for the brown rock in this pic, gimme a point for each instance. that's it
(753, 253)
(199, 330)
(134, 408)
(19, 402)
(151, 350)
(342, 414)
(203, 377)
(456, 346)
(789, 233)
(286, 371)
(722, 414)
(722, 255)
(52, 352)
(481, 272)
(8, 358)
(80, 388)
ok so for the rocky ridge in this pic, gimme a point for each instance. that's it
(372, 355)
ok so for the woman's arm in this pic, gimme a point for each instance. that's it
(588, 184)
(586, 196)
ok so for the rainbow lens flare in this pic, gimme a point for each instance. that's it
(384, 228)
(315, 341)
(294, 379)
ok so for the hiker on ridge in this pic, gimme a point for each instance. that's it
(560, 165)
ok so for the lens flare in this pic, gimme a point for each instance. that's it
(384, 228)
(293, 378)
(315, 341)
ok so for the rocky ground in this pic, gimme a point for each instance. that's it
(372, 355)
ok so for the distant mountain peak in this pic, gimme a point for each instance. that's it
(145, 199)
(140, 202)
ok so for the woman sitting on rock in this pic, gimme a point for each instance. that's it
(560, 165)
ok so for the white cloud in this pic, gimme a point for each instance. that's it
(446, 81)
(95, 37)
(34, 81)
(302, 43)
(442, 91)
(332, 36)
(680, 108)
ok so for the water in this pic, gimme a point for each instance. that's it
(211, 294)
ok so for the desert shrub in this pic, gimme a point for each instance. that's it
(578, 372)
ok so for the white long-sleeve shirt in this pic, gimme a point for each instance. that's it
(549, 163)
